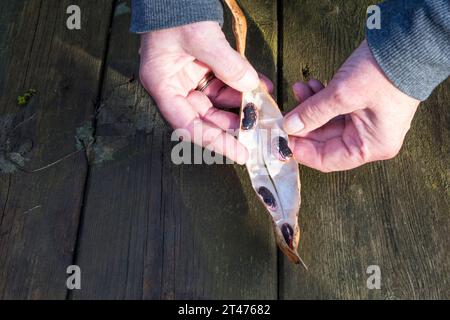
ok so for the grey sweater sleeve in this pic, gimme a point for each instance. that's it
(148, 15)
(412, 46)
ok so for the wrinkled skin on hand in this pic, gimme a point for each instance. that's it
(358, 118)
(173, 61)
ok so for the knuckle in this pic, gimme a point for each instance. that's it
(143, 76)
(340, 94)
(363, 152)
(325, 170)
(358, 150)
(315, 114)
(191, 33)
(235, 72)
(199, 36)
(148, 82)
(196, 38)
(390, 152)
(389, 149)
(308, 113)
(324, 166)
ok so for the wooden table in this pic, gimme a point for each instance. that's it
(87, 177)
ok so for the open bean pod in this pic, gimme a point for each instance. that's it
(273, 172)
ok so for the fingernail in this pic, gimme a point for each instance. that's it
(293, 123)
(295, 91)
(297, 87)
(250, 80)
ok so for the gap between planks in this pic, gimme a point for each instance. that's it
(69, 293)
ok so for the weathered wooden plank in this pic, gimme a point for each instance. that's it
(40, 209)
(155, 230)
(392, 214)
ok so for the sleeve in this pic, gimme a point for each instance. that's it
(148, 15)
(412, 45)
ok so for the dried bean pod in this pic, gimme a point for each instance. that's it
(281, 176)
(274, 177)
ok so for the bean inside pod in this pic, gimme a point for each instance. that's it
(288, 234)
(250, 115)
(281, 149)
(267, 197)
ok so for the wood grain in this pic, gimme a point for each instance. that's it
(150, 229)
(392, 214)
(40, 210)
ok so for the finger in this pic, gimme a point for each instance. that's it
(266, 82)
(315, 85)
(177, 110)
(224, 96)
(316, 111)
(334, 128)
(209, 136)
(194, 72)
(301, 91)
(336, 154)
(228, 65)
(221, 119)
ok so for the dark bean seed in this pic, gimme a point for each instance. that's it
(283, 149)
(288, 235)
(267, 197)
(250, 115)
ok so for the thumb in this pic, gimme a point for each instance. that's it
(227, 64)
(316, 111)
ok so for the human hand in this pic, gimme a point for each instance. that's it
(174, 61)
(358, 118)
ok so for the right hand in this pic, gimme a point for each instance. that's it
(173, 62)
